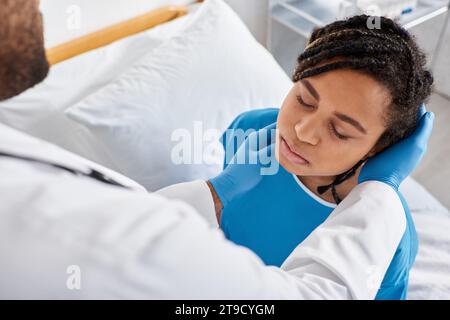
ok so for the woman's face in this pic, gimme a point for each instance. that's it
(329, 122)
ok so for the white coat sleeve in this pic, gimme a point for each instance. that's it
(357, 241)
(344, 258)
(195, 193)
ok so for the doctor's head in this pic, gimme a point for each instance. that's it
(356, 91)
(23, 63)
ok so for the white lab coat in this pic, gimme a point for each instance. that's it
(65, 236)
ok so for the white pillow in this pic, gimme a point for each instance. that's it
(40, 110)
(205, 75)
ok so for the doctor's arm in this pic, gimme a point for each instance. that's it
(344, 258)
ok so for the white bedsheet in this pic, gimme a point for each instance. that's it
(430, 275)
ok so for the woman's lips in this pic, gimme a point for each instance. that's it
(293, 156)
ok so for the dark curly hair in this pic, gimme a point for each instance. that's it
(389, 54)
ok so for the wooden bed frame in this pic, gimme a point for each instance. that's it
(115, 32)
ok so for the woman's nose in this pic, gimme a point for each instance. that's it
(307, 131)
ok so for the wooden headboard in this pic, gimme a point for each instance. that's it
(113, 33)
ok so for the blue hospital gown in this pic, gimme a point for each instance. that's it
(280, 212)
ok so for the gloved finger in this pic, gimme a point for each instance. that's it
(268, 150)
(262, 138)
(422, 110)
(423, 130)
(268, 163)
(267, 135)
(271, 126)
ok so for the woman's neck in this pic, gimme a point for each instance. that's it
(343, 189)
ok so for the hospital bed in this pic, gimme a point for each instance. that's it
(126, 95)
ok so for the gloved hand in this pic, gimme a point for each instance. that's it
(395, 163)
(253, 159)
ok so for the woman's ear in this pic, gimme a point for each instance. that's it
(371, 153)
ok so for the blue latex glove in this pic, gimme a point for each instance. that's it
(397, 162)
(253, 159)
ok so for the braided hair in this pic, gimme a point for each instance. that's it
(389, 55)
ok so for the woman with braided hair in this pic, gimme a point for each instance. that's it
(355, 92)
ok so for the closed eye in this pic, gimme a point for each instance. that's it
(336, 133)
(332, 127)
(303, 103)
